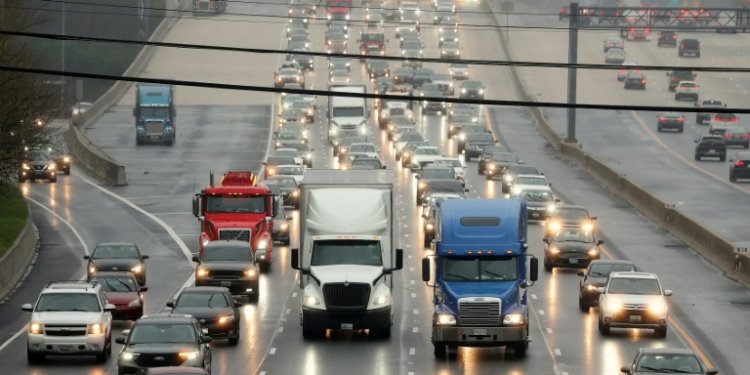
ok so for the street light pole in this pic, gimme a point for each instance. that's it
(62, 60)
(572, 72)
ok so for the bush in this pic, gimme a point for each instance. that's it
(13, 212)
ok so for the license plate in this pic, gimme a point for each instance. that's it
(65, 348)
(711, 151)
(573, 261)
(535, 214)
(635, 319)
(226, 283)
(347, 326)
(480, 332)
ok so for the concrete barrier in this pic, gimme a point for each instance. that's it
(711, 246)
(93, 159)
(15, 262)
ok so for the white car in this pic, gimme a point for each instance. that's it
(423, 155)
(633, 300)
(614, 56)
(527, 181)
(458, 166)
(339, 77)
(720, 122)
(295, 171)
(368, 149)
(290, 152)
(687, 89)
(69, 318)
(459, 71)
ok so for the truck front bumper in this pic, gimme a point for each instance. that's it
(478, 336)
(73, 345)
(346, 320)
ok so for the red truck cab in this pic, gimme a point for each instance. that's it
(371, 41)
(237, 209)
(338, 9)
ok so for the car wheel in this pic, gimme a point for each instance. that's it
(440, 350)
(547, 266)
(265, 267)
(67, 171)
(732, 178)
(697, 157)
(681, 130)
(582, 305)
(233, 341)
(660, 332)
(603, 328)
(658, 129)
(53, 180)
(746, 145)
(34, 358)
(138, 142)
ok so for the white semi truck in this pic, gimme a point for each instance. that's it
(347, 116)
(346, 253)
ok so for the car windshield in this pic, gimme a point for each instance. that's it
(115, 252)
(121, 284)
(348, 112)
(374, 164)
(286, 182)
(162, 333)
(202, 299)
(523, 170)
(501, 156)
(362, 148)
(446, 187)
(438, 173)
(86, 302)
(480, 137)
(480, 269)
(452, 163)
(631, 285)
(669, 363)
(531, 181)
(570, 213)
(459, 66)
(472, 85)
(537, 196)
(289, 153)
(427, 151)
(410, 137)
(354, 252)
(227, 254)
(603, 270)
(289, 170)
(219, 203)
(573, 235)
(288, 136)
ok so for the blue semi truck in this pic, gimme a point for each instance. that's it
(480, 276)
(154, 114)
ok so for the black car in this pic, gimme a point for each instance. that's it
(288, 188)
(737, 136)
(61, 155)
(710, 146)
(403, 75)
(432, 106)
(570, 247)
(163, 340)
(595, 276)
(569, 216)
(703, 117)
(666, 360)
(305, 152)
(214, 308)
(486, 156)
(740, 167)
(689, 47)
(432, 173)
(230, 264)
(514, 170)
(635, 80)
(471, 90)
(540, 203)
(676, 76)
(667, 38)
(498, 162)
(444, 186)
(475, 143)
(274, 161)
(378, 68)
(38, 164)
(670, 120)
(366, 163)
(117, 256)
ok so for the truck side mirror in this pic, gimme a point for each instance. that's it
(196, 259)
(399, 259)
(534, 271)
(600, 242)
(295, 259)
(196, 206)
(426, 269)
(625, 370)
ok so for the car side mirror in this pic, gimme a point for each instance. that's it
(295, 259)
(625, 370)
(668, 293)
(594, 218)
(170, 304)
(466, 190)
(601, 290)
(600, 242)
(87, 257)
(144, 257)
(385, 167)
(712, 371)
(534, 269)
(288, 218)
(27, 307)
(109, 307)
(196, 259)
(695, 141)
(557, 200)
(143, 289)
(206, 339)
(120, 340)
(581, 273)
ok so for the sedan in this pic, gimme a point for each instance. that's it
(635, 80)
(459, 71)
(471, 90)
(214, 308)
(737, 136)
(450, 50)
(122, 291)
(230, 264)
(614, 56)
(670, 120)
(117, 256)
(595, 276)
(666, 360)
(570, 247)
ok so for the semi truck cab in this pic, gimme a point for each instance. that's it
(154, 114)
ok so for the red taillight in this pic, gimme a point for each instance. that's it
(746, 136)
(643, 81)
(662, 119)
(734, 119)
(681, 119)
(727, 136)
(739, 163)
(674, 37)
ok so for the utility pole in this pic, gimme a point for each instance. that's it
(62, 61)
(572, 71)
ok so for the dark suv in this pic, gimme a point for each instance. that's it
(676, 76)
(635, 80)
(689, 47)
(667, 38)
(710, 146)
(740, 167)
(163, 340)
(230, 264)
(214, 308)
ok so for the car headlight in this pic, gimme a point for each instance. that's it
(587, 227)
(430, 226)
(481, 91)
(308, 155)
(492, 167)
(342, 149)
(590, 287)
(422, 185)
(551, 208)
(76, 111)
(514, 319)
(135, 303)
(463, 91)
(658, 307)
(614, 306)
(554, 250)
(92, 268)
(202, 272)
(189, 355)
(309, 300)
(137, 269)
(36, 328)
(226, 319)
(444, 319)
(593, 251)
(516, 190)
(554, 226)
(52, 166)
(284, 226)
(128, 356)
(66, 159)
(250, 273)
(262, 244)
(363, 130)
(295, 193)
(271, 172)
(25, 166)
(462, 136)
(95, 329)
(508, 178)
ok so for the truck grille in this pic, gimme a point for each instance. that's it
(479, 313)
(158, 360)
(346, 297)
(234, 234)
(65, 330)
(226, 275)
(154, 128)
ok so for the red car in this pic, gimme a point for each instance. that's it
(122, 290)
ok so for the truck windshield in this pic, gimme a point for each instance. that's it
(356, 252)
(147, 112)
(218, 204)
(480, 269)
(348, 112)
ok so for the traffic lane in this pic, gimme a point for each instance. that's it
(629, 236)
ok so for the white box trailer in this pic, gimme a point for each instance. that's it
(346, 254)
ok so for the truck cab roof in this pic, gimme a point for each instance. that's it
(489, 224)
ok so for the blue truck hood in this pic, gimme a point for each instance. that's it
(507, 291)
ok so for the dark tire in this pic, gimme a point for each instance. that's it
(382, 333)
(34, 358)
(732, 178)
(583, 306)
(233, 341)
(681, 130)
(660, 332)
(67, 171)
(547, 266)
(659, 129)
(697, 157)
(519, 350)
(723, 157)
(138, 142)
(102, 357)
(440, 350)
(53, 180)
(603, 328)
(746, 146)
(265, 267)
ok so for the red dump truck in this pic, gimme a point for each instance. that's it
(237, 209)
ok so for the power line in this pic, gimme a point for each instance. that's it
(227, 86)
(529, 64)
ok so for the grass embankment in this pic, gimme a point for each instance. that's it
(12, 215)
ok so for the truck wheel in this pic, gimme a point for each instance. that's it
(518, 350)
(660, 332)
(603, 328)
(34, 358)
(383, 333)
(310, 333)
(445, 351)
(265, 267)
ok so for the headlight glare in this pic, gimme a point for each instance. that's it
(95, 329)
(202, 272)
(137, 269)
(36, 328)
(513, 319)
(189, 355)
(444, 319)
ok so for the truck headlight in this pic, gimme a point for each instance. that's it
(36, 328)
(463, 91)
(284, 227)
(444, 319)
(137, 269)
(201, 272)
(514, 319)
(382, 300)
(311, 300)
(95, 329)
(481, 91)
(205, 240)
(262, 244)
